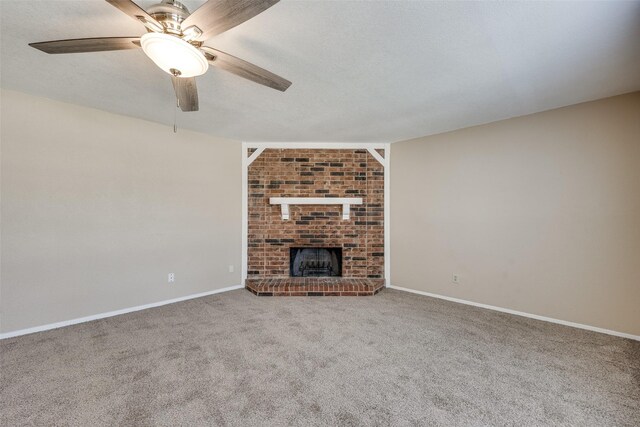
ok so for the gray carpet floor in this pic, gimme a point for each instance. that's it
(393, 359)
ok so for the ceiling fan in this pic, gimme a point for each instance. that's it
(174, 41)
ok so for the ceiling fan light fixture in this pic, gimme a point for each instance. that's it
(171, 53)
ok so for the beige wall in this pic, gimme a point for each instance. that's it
(98, 208)
(539, 214)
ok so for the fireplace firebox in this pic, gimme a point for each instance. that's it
(315, 262)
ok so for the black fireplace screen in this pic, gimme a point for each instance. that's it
(315, 262)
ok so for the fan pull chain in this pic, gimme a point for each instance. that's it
(175, 116)
(176, 74)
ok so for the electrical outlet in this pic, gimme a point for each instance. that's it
(455, 278)
(171, 277)
(231, 269)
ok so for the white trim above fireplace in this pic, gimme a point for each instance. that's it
(319, 145)
(254, 155)
(346, 203)
(377, 156)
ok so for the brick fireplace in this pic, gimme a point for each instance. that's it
(355, 175)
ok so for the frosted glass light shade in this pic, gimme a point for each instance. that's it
(170, 52)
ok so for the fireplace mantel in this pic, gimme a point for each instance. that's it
(346, 203)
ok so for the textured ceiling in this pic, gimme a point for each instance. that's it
(361, 71)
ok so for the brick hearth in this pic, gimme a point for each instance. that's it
(314, 286)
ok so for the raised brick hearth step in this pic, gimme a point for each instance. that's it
(314, 286)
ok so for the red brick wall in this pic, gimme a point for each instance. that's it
(316, 173)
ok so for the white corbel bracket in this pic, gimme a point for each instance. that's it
(346, 203)
(285, 211)
(346, 211)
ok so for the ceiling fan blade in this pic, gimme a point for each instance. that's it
(245, 69)
(96, 44)
(186, 92)
(136, 12)
(217, 16)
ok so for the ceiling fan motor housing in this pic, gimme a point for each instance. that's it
(171, 14)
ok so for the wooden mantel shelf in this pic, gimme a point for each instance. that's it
(346, 203)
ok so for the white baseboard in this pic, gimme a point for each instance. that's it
(230, 288)
(520, 313)
(111, 313)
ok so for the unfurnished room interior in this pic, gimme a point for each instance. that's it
(319, 213)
